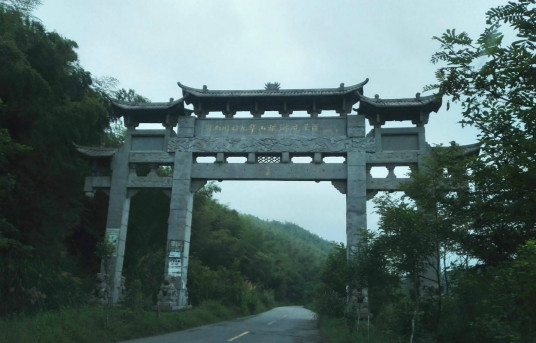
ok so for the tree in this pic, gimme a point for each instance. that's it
(408, 242)
(441, 191)
(23, 6)
(495, 85)
(47, 104)
(422, 232)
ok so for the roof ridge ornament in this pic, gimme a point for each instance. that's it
(272, 86)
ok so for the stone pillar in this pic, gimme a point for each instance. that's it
(356, 186)
(356, 217)
(356, 199)
(429, 281)
(356, 203)
(173, 292)
(117, 220)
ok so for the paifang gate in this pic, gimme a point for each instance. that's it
(268, 145)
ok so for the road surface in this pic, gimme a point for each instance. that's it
(288, 324)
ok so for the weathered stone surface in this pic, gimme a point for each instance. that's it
(168, 295)
(150, 157)
(150, 182)
(186, 127)
(101, 292)
(398, 158)
(271, 127)
(269, 171)
(385, 184)
(266, 144)
(355, 126)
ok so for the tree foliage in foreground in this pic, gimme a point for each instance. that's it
(478, 226)
(495, 83)
(46, 104)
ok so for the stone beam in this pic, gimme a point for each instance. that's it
(385, 184)
(151, 157)
(332, 144)
(269, 171)
(150, 182)
(92, 183)
(397, 158)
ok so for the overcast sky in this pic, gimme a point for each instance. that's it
(151, 45)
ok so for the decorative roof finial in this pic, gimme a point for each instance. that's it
(269, 86)
(418, 96)
(342, 86)
(205, 88)
(376, 97)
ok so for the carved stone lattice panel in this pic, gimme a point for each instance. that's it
(290, 144)
(268, 158)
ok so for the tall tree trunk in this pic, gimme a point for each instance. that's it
(417, 284)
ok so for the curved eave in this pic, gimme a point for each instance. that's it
(96, 152)
(471, 149)
(261, 93)
(285, 101)
(123, 107)
(429, 103)
(150, 112)
(417, 110)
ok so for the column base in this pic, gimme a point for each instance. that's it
(170, 298)
(169, 307)
(101, 292)
(363, 313)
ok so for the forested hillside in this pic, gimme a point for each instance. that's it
(49, 231)
(234, 258)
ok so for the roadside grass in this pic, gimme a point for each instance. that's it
(338, 330)
(90, 323)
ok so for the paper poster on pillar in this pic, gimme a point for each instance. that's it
(174, 264)
(175, 246)
(175, 258)
(112, 237)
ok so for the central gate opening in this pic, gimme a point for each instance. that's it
(316, 207)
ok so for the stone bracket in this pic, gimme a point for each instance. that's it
(339, 185)
(197, 184)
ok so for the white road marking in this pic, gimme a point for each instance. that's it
(273, 321)
(236, 337)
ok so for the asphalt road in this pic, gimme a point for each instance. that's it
(282, 325)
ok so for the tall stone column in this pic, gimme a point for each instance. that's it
(356, 216)
(356, 186)
(173, 294)
(117, 220)
(356, 201)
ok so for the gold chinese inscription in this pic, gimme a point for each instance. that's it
(264, 128)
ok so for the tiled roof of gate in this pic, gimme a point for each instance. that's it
(418, 101)
(147, 105)
(103, 152)
(379, 111)
(205, 92)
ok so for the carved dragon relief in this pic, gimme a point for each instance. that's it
(252, 144)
